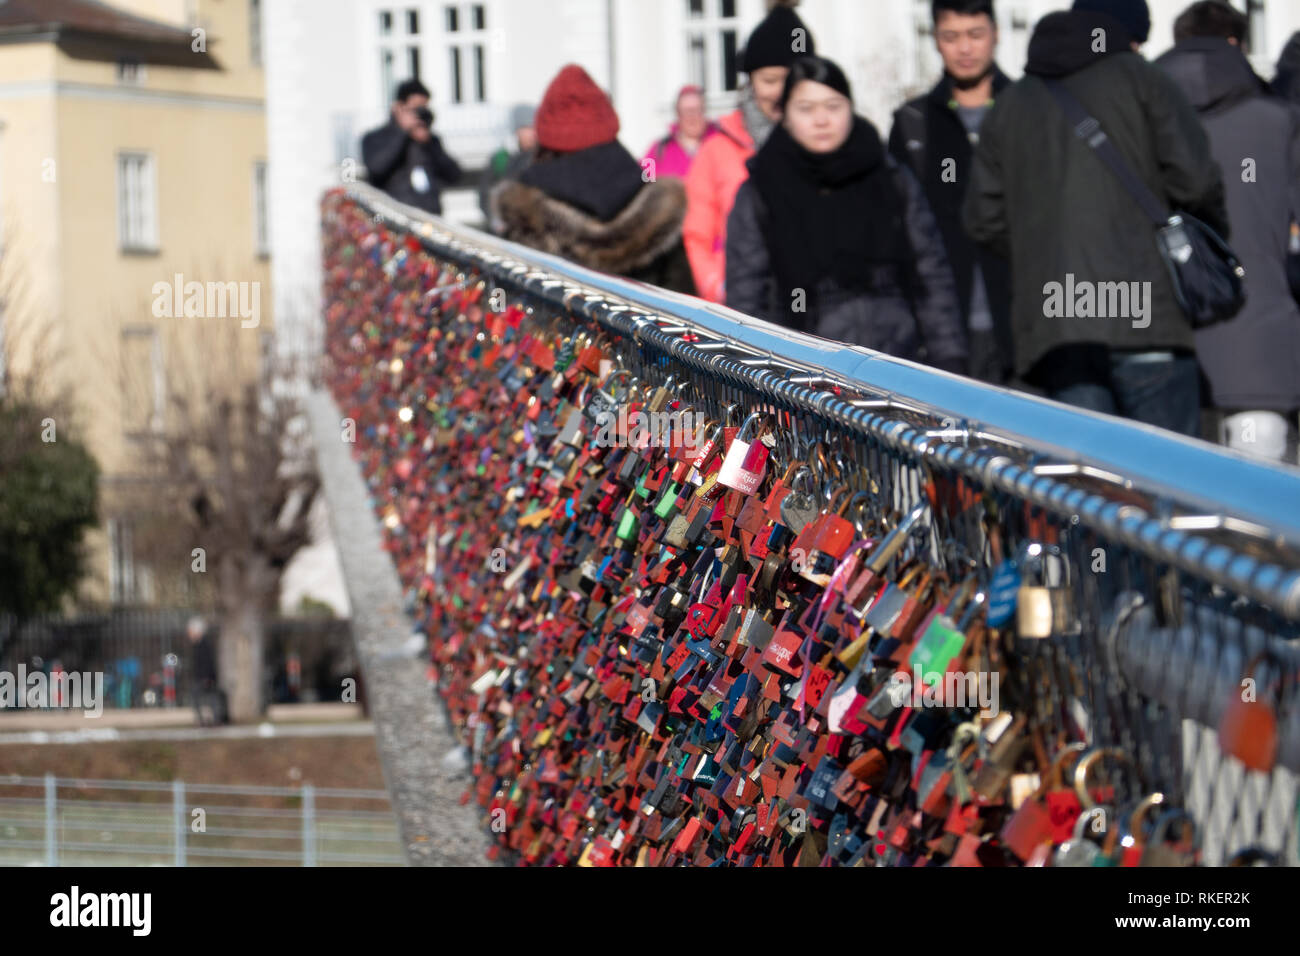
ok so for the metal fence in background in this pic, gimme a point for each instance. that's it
(146, 658)
(1177, 563)
(51, 821)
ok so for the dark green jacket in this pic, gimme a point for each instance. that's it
(1041, 196)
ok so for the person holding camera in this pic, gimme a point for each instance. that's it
(405, 158)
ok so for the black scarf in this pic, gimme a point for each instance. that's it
(830, 215)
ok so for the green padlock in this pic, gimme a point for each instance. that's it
(627, 526)
(641, 489)
(667, 505)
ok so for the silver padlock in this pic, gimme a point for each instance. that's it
(1078, 850)
(1158, 851)
(1046, 609)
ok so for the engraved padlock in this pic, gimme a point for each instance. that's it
(745, 462)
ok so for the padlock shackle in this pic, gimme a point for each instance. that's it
(1087, 762)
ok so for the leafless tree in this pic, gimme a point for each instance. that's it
(231, 478)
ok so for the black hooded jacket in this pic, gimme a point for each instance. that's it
(927, 132)
(1252, 361)
(1040, 195)
(1287, 82)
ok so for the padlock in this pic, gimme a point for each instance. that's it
(862, 592)
(799, 508)
(1158, 852)
(1135, 842)
(1248, 727)
(666, 508)
(1078, 850)
(572, 431)
(745, 461)
(1045, 610)
(1032, 824)
(992, 776)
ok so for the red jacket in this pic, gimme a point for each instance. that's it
(716, 176)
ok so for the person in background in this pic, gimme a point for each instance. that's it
(672, 155)
(1287, 82)
(205, 688)
(1252, 361)
(583, 197)
(505, 165)
(719, 166)
(405, 158)
(830, 235)
(935, 135)
(1067, 222)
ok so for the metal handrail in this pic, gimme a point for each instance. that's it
(1186, 476)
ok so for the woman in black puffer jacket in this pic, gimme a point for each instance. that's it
(831, 236)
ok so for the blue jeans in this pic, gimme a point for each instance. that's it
(1165, 392)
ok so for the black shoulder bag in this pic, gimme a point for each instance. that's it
(1207, 277)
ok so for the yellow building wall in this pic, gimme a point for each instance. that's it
(205, 130)
(30, 263)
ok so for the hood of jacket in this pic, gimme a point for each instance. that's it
(1212, 73)
(644, 230)
(600, 180)
(1064, 43)
(733, 127)
(1287, 82)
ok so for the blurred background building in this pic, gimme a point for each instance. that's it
(132, 148)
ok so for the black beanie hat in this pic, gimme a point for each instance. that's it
(1135, 15)
(773, 41)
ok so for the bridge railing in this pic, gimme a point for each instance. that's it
(1170, 568)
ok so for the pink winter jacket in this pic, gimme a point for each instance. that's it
(716, 176)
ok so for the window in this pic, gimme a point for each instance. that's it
(387, 84)
(698, 62)
(137, 212)
(398, 54)
(713, 45)
(261, 224)
(130, 72)
(1256, 35)
(121, 566)
(468, 51)
(255, 32)
(144, 383)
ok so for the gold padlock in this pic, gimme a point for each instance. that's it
(1046, 609)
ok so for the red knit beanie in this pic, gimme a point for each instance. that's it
(575, 113)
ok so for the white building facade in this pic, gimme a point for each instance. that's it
(331, 66)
